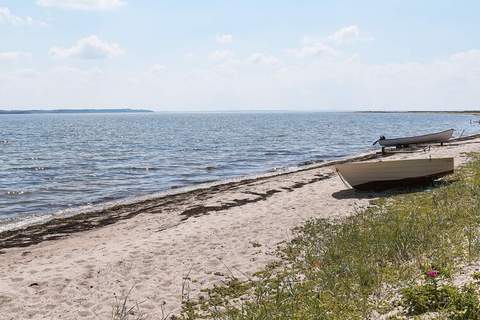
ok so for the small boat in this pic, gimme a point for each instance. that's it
(438, 137)
(392, 174)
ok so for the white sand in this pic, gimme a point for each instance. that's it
(77, 277)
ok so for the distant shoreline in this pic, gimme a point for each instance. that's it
(74, 111)
(127, 110)
(472, 112)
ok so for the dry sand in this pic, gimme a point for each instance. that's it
(153, 245)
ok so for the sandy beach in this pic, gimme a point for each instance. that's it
(72, 268)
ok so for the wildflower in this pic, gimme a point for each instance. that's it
(432, 273)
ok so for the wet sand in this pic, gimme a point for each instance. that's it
(71, 268)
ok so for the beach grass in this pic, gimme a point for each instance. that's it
(123, 309)
(362, 266)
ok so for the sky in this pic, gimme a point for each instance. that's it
(230, 55)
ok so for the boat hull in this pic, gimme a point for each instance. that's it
(394, 174)
(438, 137)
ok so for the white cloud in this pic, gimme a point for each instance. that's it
(263, 59)
(345, 35)
(14, 56)
(224, 38)
(90, 47)
(470, 55)
(157, 69)
(190, 56)
(313, 49)
(328, 47)
(8, 17)
(219, 55)
(82, 4)
(28, 73)
(335, 83)
(85, 75)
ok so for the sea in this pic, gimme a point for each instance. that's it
(50, 163)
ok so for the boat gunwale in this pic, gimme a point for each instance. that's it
(389, 161)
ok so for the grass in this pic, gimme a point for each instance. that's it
(453, 302)
(358, 267)
(124, 310)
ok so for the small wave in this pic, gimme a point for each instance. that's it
(134, 168)
(146, 168)
(335, 156)
(34, 168)
(321, 158)
(281, 152)
(329, 156)
(14, 193)
(213, 167)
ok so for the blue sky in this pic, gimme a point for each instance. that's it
(233, 55)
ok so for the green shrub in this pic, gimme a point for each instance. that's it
(457, 304)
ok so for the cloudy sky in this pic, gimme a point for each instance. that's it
(240, 54)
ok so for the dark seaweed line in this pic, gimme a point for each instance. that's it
(202, 210)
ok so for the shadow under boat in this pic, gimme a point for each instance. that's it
(383, 193)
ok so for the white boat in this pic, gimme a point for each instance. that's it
(438, 137)
(391, 174)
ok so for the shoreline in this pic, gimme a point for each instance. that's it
(92, 211)
(73, 268)
(103, 214)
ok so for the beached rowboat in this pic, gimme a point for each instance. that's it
(391, 174)
(438, 137)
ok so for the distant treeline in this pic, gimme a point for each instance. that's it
(74, 111)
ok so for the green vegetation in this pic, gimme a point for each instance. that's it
(457, 304)
(369, 264)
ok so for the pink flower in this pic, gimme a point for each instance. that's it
(432, 273)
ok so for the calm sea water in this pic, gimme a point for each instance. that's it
(53, 162)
